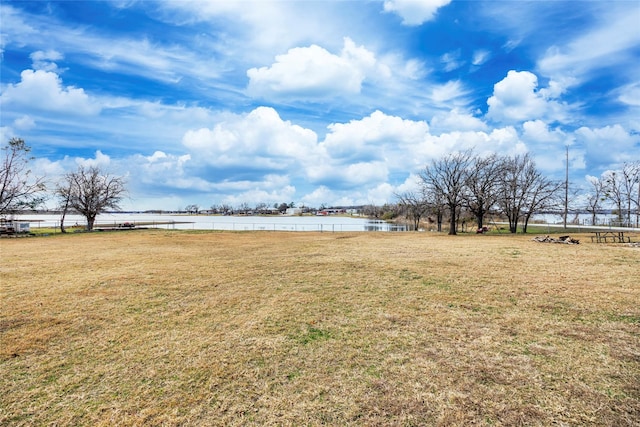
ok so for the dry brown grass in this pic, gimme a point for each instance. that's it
(180, 328)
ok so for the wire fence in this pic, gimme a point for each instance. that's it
(226, 226)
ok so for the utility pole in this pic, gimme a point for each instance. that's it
(566, 189)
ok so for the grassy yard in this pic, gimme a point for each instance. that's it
(265, 328)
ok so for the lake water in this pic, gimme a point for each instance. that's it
(214, 222)
(254, 223)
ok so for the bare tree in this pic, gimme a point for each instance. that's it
(244, 208)
(595, 197)
(613, 191)
(446, 178)
(621, 188)
(636, 181)
(482, 181)
(437, 206)
(372, 211)
(544, 194)
(630, 180)
(90, 191)
(18, 188)
(523, 191)
(414, 206)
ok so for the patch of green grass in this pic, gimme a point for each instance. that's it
(312, 334)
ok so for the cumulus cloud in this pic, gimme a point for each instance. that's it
(347, 175)
(539, 131)
(456, 120)
(415, 12)
(315, 72)
(548, 144)
(516, 98)
(598, 143)
(260, 139)
(375, 136)
(43, 90)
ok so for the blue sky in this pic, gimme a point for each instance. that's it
(316, 102)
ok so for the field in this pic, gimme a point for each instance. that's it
(306, 329)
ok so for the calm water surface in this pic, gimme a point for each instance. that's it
(214, 222)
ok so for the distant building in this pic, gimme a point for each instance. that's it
(294, 211)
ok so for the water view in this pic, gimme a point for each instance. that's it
(214, 222)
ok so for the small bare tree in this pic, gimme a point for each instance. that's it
(621, 188)
(544, 194)
(90, 191)
(630, 181)
(446, 178)
(482, 181)
(18, 188)
(414, 207)
(595, 197)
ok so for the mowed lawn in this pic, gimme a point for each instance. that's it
(306, 329)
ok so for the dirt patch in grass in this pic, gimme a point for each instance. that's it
(261, 328)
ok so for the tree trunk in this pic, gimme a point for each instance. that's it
(479, 220)
(64, 214)
(452, 223)
(90, 221)
(513, 224)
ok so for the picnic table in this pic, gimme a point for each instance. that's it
(610, 236)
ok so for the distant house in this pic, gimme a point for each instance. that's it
(331, 211)
(294, 211)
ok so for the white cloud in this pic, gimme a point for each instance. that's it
(315, 72)
(260, 139)
(415, 12)
(610, 44)
(547, 145)
(517, 98)
(480, 57)
(24, 123)
(43, 90)
(100, 160)
(254, 195)
(630, 94)
(538, 131)
(261, 28)
(451, 60)
(45, 60)
(450, 93)
(455, 120)
(377, 136)
(599, 143)
(363, 173)
(321, 195)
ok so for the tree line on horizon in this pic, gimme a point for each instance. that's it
(465, 183)
(458, 185)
